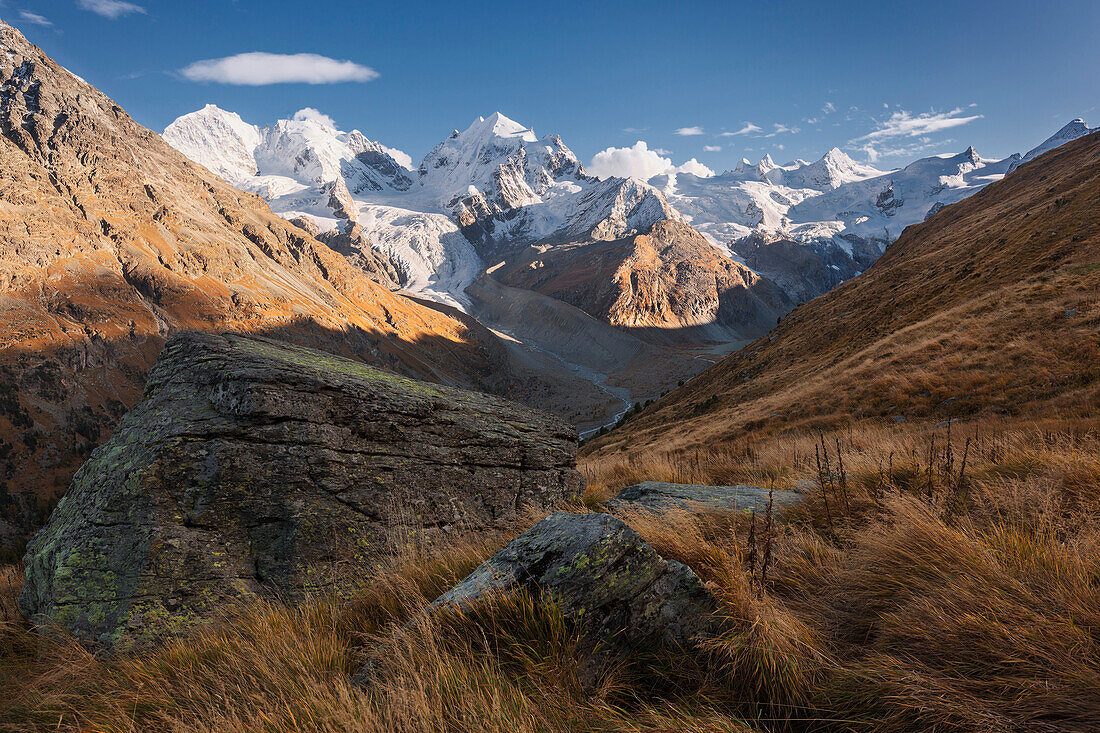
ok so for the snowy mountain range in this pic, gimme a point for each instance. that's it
(484, 194)
(480, 193)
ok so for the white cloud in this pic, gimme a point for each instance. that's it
(905, 124)
(403, 159)
(693, 167)
(35, 18)
(314, 115)
(782, 129)
(258, 69)
(110, 8)
(829, 108)
(748, 128)
(712, 148)
(690, 131)
(640, 163)
(637, 161)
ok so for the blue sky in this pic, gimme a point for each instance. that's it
(891, 81)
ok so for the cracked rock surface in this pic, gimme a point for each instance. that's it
(621, 592)
(660, 496)
(253, 467)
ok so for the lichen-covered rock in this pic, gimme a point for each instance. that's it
(623, 594)
(660, 496)
(252, 466)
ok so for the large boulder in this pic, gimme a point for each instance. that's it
(603, 575)
(659, 496)
(253, 467)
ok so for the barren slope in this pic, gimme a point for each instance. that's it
(669, 284)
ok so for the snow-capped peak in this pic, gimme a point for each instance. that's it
(834, 169)
(1071, 131)
(500, 159)
(497, 125)
(218, 139)
(1074, 129)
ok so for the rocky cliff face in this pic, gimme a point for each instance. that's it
(669, 282)
(252, 467)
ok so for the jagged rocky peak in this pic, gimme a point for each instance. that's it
(500, 160)
(308, 149)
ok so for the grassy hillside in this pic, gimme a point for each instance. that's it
(920, 592)
(989, 308)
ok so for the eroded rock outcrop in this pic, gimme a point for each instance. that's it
(668, 284)
(605, 577)
(660, 496)
(252, 466)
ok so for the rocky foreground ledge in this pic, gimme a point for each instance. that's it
(252, 467)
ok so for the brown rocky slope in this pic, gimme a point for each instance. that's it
(990, 307)
(669, 284)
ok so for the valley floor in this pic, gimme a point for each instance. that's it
(941, 581)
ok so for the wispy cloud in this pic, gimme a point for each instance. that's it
(259, 69)
(35, 18)
(747, 129)
(827, 110)
(779, 129)
(690, 131)
(905, 150)
(712, 148)
(110, 8)
(905, 124)
(886, 139)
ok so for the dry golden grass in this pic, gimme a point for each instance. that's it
(971, 607)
